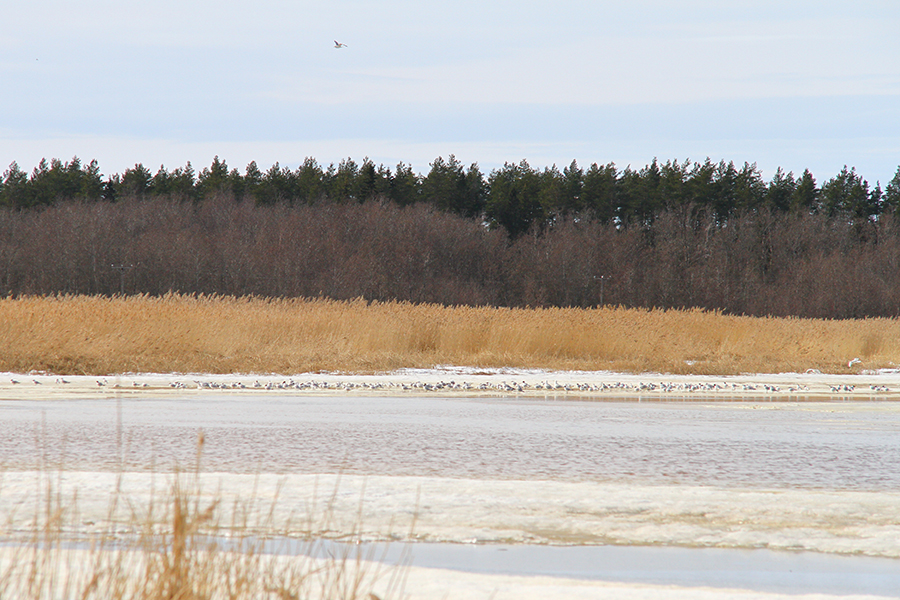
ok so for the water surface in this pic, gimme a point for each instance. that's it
(839, 445)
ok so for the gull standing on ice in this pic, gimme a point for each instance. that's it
(337, 44)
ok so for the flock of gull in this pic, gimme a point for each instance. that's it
(525, 387)
(618, 388)
(492, 386)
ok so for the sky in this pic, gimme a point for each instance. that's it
(795, 84)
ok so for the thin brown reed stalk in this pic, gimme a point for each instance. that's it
(177, 548)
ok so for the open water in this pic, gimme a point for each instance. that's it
(839, 445)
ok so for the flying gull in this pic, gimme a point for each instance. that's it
(337, 44)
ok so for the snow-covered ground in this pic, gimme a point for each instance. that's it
(876, 385)
(474, 511)
(498, 515)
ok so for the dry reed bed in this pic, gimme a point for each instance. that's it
(215, 334)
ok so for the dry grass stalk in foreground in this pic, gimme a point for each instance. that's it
(176, 333)
(177, 549)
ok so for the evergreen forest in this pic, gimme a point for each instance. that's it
(708, 235)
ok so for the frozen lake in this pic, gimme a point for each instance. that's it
(832, 445)
(664, 492)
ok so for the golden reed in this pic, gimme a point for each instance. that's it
(215, 334)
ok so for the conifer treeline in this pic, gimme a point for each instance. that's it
(707, 235)
(515, 197)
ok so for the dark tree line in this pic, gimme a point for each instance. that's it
(516, 197)
(759, 261)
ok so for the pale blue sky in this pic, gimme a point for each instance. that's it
(799, 84)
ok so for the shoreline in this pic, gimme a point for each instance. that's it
(883, 385)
